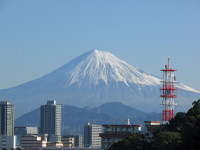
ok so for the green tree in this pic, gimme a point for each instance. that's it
(176, 124)
(133, 142)
(167, 141)
(191, 131)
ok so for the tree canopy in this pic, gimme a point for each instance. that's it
(167, 141)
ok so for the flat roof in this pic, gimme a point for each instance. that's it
(152, 121)
(4, 102)
(120, 125)
(118, 135)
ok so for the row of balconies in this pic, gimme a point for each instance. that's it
(118, 132)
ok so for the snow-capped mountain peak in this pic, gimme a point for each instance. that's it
(103, 66)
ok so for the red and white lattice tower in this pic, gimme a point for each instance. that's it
(168, 92)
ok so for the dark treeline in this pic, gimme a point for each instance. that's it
(182, 133)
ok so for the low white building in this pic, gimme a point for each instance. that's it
(32, 141)
(8, 142)
(68, 141)
(19, 131)
(115, 133)
(54, 145)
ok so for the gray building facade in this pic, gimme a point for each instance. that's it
(50, 121)
(91, 135)
(78, 141)
(6, 118)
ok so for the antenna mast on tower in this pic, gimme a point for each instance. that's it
(168, 92)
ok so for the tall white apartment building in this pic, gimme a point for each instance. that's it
(6, 118)
(91, 135)
(7, 138)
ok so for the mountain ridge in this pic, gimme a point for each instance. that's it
(74, 118)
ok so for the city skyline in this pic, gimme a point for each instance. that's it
(34, 43)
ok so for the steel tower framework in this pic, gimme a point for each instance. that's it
(168, 92)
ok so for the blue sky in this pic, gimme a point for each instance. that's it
(38, 36)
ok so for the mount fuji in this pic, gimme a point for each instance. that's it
(92, 79)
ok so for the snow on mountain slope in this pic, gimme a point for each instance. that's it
(102, 65)
(185, 87)
(92, 79)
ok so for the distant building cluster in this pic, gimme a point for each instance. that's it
(48, 136)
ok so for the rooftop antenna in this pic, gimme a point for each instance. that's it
(128, 121)
(168, 64)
